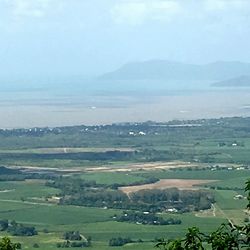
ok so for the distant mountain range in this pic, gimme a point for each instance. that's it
(242, 81)
(167, 70)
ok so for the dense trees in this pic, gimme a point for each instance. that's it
(119, 241)
(182, 200)
(4, 225)
(72, 235)
(6, 244)
(8, 174)
(74, 239)
(69, 244)
(16, 229)
(145, 218)
(226, 237)
(149, 200)
(89, 193)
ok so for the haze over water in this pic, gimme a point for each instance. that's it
(86, 105)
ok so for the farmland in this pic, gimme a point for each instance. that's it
(167, 183)
(212, 158)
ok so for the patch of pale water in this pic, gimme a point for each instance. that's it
(40, 109)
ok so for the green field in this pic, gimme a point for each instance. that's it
(21, 205)
(217, 149)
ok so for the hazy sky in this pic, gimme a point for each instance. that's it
(93, 36)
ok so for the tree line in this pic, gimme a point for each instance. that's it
(145, 218)
(88, 193)
(17, 229)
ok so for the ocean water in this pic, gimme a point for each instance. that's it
(97, 102)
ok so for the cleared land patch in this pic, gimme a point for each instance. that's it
(124, 167)
(65, 150)
(142, 166)
(167, 183)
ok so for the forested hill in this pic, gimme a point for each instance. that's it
(167, 70)
(242, 81)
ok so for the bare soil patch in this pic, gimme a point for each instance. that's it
(167, 183)
(126, 167)
(142, 166)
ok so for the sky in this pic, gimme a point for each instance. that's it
(90, 37)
